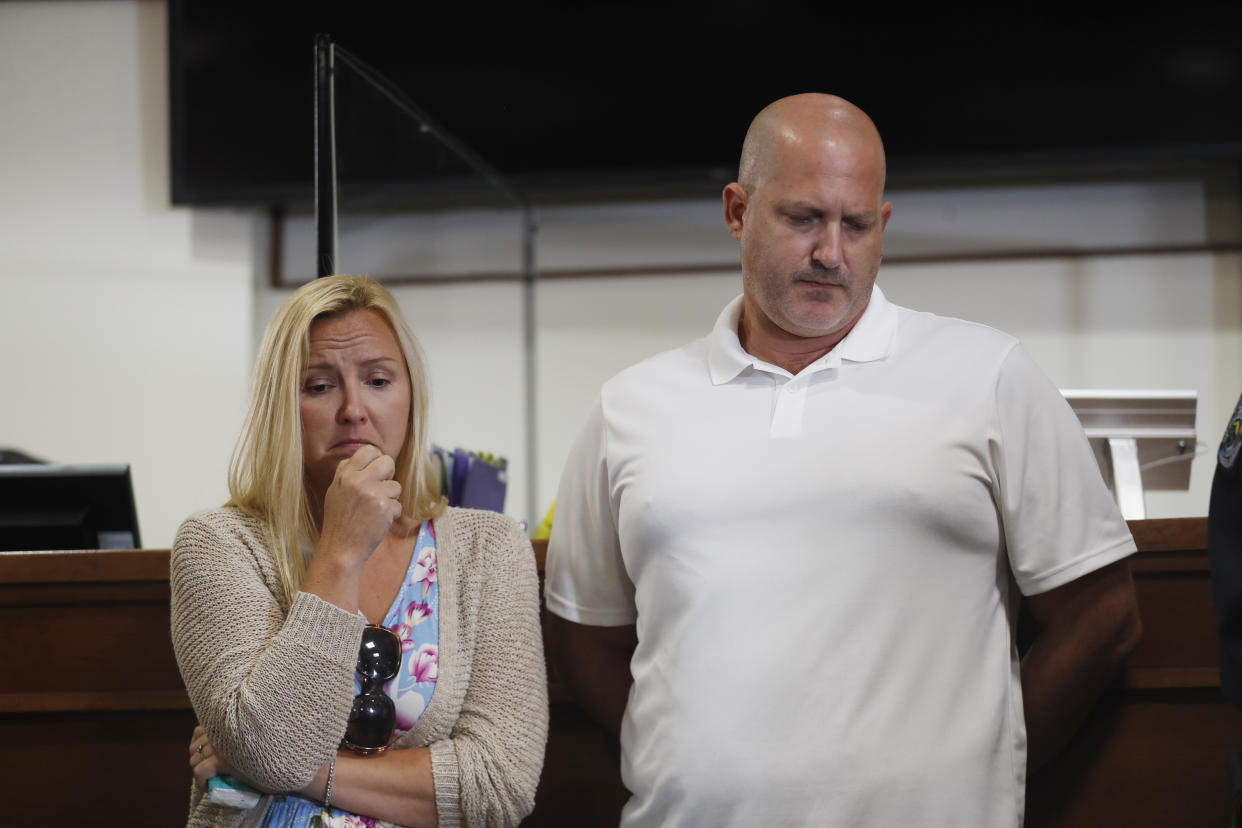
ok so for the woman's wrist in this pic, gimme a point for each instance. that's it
(334, 582)
(317, 789)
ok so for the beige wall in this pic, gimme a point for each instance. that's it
(127, 326)
(124, 324)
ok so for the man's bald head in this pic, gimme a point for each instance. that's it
(802, 123)
(808, 213)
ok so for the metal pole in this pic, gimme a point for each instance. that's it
(325, 154)
(529, 228)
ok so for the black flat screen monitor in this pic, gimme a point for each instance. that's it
(45, 507)
(598, 101)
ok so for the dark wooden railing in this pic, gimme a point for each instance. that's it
(94, 721)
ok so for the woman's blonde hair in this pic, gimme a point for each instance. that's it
(266, 475)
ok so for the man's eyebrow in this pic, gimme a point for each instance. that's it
(866, 215)
(790, 204)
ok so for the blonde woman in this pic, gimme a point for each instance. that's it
(354, 649)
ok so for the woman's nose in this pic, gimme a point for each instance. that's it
(352, 410)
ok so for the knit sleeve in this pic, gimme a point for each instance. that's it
(272, 690)
(487, 771)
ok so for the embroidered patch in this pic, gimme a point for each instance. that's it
(1231, 443)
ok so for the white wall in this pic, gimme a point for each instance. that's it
(1157, 322)
(124, 324)
(128, 327)
(1145, 322)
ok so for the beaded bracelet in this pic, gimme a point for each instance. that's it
(327, 793)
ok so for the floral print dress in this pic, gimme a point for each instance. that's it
(415, 617)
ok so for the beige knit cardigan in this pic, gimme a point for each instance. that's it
(272, 685)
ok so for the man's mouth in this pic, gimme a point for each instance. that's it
(820, 278)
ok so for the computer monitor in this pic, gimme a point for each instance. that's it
(44, 507)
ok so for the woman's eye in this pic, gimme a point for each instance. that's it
(380, 382)
(316, 387)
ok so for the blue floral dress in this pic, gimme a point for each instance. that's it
(415, 617)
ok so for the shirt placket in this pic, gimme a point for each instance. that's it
(788, 406)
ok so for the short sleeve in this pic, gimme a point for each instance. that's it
(1060, 519)
(586, 579)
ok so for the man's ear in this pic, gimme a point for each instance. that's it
(734, 197)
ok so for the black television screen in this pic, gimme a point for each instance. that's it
(45, 507)
(600, 100)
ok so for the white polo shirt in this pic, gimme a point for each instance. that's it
(819, 567)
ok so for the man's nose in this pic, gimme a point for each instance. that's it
(828, 246)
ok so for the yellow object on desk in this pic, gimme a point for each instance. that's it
(545, 526)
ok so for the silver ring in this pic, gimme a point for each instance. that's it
(200, 748)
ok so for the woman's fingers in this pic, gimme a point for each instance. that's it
(203, 759)
(380, 467)
(198, 744)
(361, 504)
(204, 770)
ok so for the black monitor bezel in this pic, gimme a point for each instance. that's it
(48, 498)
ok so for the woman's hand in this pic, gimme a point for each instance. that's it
(204, 761)
(360, 506)
(359, 509)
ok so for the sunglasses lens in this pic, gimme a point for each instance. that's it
(370, 721)
(379, 657)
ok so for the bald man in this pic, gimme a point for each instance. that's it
(787, 558)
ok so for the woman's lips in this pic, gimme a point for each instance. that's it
(350, 445)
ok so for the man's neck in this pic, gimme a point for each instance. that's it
(766, 341)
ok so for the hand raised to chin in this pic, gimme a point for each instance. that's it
(360, 505)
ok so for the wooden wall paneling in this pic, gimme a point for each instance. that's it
(94, 722)
(1152, 754)
(97, 768)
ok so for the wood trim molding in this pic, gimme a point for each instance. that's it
(1170, 534)
(1169, 678)
(910, 259)
(276, 264)
(1164, 544)
(1178, 535)
(84, 565)
(64, 702)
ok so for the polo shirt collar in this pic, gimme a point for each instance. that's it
(870, 339)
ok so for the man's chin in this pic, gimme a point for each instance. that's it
(816, 322)
(821, 321)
